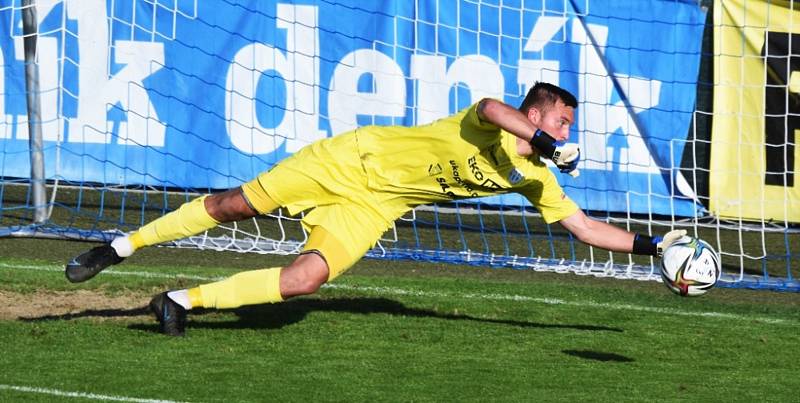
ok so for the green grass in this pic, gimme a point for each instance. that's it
(395, 331)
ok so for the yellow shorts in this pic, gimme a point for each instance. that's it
(327, 179)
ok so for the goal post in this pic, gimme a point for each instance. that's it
(37, 174)
(113, 113)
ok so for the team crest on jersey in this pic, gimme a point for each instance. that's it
(515, 176)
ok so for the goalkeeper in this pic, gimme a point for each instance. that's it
(355, 185)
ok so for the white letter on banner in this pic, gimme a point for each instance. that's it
(345, 103)
(302, 43)
(479, 73)
(90, 124)
(47, 58)
(432, 87)
(531, 71)
(299, 69)
(599, 118)
(141, 59)
(248, 65)
(98, 91)
(47, 55)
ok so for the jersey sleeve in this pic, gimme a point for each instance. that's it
(472, 121)
(549, 198)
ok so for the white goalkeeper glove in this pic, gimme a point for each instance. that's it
(669, 239)
(564, 155)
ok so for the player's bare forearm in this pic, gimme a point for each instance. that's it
(506, 117)
(611, 237)
(598, 233)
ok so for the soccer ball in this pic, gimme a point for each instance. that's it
(690, 267)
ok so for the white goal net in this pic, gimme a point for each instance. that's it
(686, 119)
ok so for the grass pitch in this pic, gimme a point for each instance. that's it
(385, 331)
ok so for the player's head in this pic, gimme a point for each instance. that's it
(545, 95)
(550, 108)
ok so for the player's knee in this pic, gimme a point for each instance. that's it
(304, 276)
(309, 285)
(228, 206)
(314, 277)
(302, 284)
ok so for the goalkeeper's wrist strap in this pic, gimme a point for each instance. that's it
(645, 245)
(544, 143)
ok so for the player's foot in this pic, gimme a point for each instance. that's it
(171, 316)
(88, 264)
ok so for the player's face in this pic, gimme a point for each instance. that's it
(556, 120)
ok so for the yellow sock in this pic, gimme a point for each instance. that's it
(245, 288)
(195, 297)
(190, 219)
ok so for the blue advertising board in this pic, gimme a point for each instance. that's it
(206, 94)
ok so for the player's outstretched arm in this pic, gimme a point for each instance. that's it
(613, 238)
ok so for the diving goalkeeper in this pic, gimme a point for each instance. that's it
(355, 185)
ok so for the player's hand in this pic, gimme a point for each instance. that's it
(669, 239)
(566, 157)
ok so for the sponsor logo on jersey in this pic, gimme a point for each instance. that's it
(450, 186)
(457, 177)
(445, 187)
(473, 166)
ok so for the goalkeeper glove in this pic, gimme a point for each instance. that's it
(564, 155)
(669, 239)
(655, 246)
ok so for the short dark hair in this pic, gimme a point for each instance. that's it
(545, 95)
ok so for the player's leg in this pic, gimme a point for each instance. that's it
(194, 217)
(295, 183)
(323, 258)
(191, 218)
(326, 177)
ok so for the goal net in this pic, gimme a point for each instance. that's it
(115, 112)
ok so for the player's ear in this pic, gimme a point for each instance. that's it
(534, 115)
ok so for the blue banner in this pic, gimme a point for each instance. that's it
(206, 94)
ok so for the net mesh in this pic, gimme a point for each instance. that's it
(136, 120)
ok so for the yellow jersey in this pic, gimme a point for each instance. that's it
(457, 157)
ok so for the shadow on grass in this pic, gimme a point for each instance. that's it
(90, 313)
(597, 355)
(276, 316)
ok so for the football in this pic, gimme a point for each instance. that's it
(690, 267)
